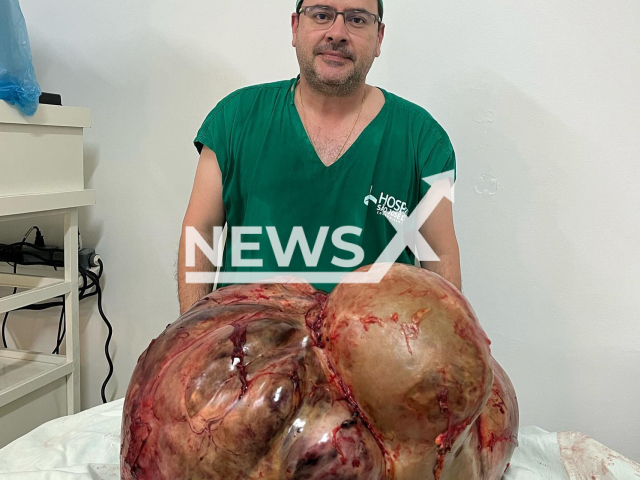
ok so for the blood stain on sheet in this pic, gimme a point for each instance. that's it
(583, 457)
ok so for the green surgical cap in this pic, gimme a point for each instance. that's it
(298, 2)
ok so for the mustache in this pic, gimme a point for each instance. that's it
(334, 49)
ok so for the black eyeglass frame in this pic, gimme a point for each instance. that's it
(377, 18)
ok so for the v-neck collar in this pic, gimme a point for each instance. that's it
(301, 131)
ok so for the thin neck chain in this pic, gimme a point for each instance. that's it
(348, 136)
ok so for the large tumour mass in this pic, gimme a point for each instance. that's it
(374, 381)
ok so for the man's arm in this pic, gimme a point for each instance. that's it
(205, 211)
(439, 232)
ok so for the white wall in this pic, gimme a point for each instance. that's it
(541, 101)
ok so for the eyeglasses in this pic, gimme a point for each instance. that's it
(357, 21)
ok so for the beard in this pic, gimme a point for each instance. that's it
(343, 85)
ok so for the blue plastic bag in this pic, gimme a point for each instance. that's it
(18, 84)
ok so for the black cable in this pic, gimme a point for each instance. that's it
(44, 261)
(110, 329)
(32, 245)
(6, 315)
(44, 306)
(95, 283)
(61, 324)
(9, 248)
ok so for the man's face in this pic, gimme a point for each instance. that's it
(331, 75)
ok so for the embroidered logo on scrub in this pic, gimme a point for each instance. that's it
(397, 208)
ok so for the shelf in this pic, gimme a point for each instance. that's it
(42, 175)
(39, 289)
(24, 372)
(44, 202)
(50, 115)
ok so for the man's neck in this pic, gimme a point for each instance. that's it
(327, 106)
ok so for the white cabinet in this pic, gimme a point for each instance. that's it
(41, 173)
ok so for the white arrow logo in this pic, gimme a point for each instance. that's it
(408, 233)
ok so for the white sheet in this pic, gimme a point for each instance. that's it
(87, 446)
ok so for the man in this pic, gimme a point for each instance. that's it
(318, 159)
